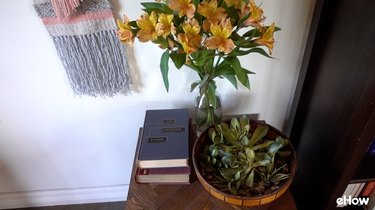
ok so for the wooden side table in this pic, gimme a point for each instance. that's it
(187, 196)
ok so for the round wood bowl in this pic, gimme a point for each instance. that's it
(242, 200)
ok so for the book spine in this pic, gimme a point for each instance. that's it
(368, 189)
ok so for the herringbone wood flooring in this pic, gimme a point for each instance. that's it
(192, 197)
(93, 206)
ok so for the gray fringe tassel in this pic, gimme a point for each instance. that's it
(95, 63)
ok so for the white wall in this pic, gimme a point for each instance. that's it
(56, 148)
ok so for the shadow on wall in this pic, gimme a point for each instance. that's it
(9, 182)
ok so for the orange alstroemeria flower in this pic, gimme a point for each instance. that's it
(211, 12)
(165, 26)
(256, 16)
(267, 38)
(184, 7)
(220, 34)
(124, 32)
(147, 24)
(191, 39)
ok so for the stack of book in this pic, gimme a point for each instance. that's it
(163, 148)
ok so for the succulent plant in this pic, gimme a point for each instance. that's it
(243, 162)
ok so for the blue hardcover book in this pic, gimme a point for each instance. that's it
(165, 139)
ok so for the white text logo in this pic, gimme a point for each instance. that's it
(343, 201)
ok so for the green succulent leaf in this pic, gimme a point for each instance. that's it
(244, 121)
(235, 124)
(250, 155)
(245, 141)
(227, 160)
(214, 152)
(261, 163)
(265, 144)
(279, 177)
(230, 172)
(237, 176)
(259, 133)
(228, 134)
(250, 179)
(225, 148)
(275, 148)
(164, 68)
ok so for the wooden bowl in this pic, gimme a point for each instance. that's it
(242, 200)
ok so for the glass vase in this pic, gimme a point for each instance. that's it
(207, 111)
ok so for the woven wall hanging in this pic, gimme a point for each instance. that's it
(84, 34)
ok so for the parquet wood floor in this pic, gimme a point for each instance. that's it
(92, 206)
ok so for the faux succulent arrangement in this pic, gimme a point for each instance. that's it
(241, 162)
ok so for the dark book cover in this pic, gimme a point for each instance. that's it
(165, 139)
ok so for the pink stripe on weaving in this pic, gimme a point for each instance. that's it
(66, 7)
(78, 18)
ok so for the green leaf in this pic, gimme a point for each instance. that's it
(243, 19)
(237, 176)
(232, 79)
(196, 2)
(211, 95)
(202, 57)
(246, 44)
(259, 133)
(235, 124)
(279, 177)
(248, 71)
(240, 73)
(223, 68)
(162, 41)
(261, 163)
(250, 154)
(260, 51)
(232, 13)
(212, 133)
(250, 179)
(244, 120)
(252, 33)
(230, 171)
(178, 59)
(264, 145)
(194, 85)
(214, 152)
(164, 68)
(158, 7)
(228, 134)
(275, 147)
(133, 24)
